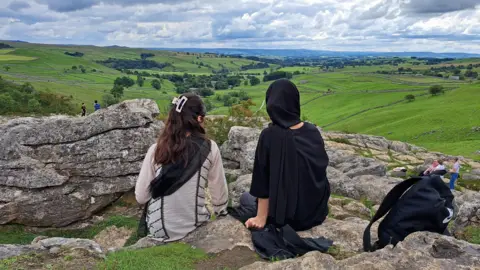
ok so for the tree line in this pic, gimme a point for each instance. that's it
(25, 99)
(132, 64)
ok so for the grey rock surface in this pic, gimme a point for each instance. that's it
(58, 170)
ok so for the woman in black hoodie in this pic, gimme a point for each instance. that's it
(289, 175)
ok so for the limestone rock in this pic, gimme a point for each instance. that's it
(346, 234)
(373, 188)
(470, 176)
(237, 188)
(353, 165)
(69, 243)
(7, 251)
(58, 170)
(222, 234)
(113, 237)
(241, 146)
(420, 250)
(468, 215)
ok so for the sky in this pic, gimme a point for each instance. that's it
(339, 25)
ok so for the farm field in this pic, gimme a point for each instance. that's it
(360, 99)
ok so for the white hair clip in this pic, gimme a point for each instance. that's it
(179, 103)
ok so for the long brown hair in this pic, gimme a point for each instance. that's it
(174, 142)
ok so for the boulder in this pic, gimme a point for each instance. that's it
(58, 170)
(55, 243)
(240, 147)
(7, 251)
(470, 176)
(346, 234)
(373, 188)
(237, 188)
(421, 250)
(222, 234)
(113, 237)
(354, 165)
(468, 215)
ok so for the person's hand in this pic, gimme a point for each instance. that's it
(256, 222)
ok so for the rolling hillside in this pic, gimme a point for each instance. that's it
(360, 99)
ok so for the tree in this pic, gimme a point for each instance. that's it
(436, 90)
(108, 100)
(28, 88)
(205, 92)
(209, 105)
(7, 68)
(265, 72)
(457, 71)
(140, 80)
(124, 81)
(83, 70)
(245, 83)
(33, 105)
(117, 91)
(221, 85)
(74, 67)
(156, 84)
(254, 81)
(410, 98)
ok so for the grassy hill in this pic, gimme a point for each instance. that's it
(360, 99)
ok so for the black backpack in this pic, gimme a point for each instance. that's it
(417, 204)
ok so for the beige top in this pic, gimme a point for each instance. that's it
(172, 217)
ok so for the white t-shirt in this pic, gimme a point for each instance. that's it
(439, 168)
(456, 167)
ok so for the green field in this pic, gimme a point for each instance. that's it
(361, 100)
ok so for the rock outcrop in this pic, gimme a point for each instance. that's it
(419, 251)
(58, 170)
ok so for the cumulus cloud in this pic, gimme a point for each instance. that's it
(439, 6)
(18, 5)
(382, 25)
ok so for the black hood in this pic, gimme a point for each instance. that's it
(283, 103)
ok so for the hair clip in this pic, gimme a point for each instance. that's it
(179, 103)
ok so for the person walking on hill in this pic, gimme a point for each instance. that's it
(454, 173)
(96, 106)
(176, 172)
(84, 109)
(289, 178)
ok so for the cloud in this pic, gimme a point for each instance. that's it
(439, 6)
(18, 5)
(74, 5)
(382, 25)
(66, 5)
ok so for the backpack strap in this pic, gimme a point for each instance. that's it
(387, 204)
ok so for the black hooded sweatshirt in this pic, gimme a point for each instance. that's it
(290, 165)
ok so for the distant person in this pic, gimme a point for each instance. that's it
(289, 175)
(96, 106)
(454, 173)
(175, 173)
(440, 169)
(84, 109)
(430, 169)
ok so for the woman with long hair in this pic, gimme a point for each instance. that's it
(177, 171)
(289, 179)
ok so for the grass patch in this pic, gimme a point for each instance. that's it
(472, 234)
(339, 254)
(468, 184)
(16, 234)
(337, 196)
(7, 264)
(171, 256)
(369, 204)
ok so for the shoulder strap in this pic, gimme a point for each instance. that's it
(387, 204)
